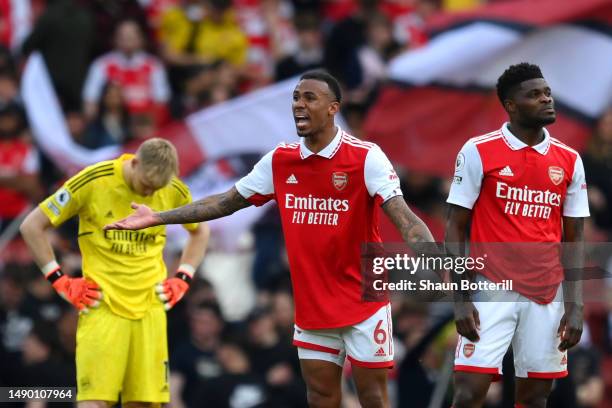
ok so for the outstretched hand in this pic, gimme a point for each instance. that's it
(143, 217)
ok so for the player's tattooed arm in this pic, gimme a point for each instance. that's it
(209, 208)
(413, 229)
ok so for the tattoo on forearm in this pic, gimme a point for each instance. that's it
(413, 230)
(209, 208)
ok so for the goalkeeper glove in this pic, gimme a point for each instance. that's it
(81, 292)
(173, 289)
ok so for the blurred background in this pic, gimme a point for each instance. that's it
(85, 80)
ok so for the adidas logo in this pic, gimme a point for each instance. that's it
(292, 180)
(380, 353)
(506, 171)
(564, 360)
(109, 214)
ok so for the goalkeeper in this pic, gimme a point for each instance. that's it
(121, 337)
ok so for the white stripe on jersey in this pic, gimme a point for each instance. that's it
(490, 134)
(357, 141)
(562, 145)
(490, 139)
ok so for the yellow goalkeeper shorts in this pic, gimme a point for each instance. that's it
(118, 356)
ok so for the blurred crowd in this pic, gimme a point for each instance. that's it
(125, 68)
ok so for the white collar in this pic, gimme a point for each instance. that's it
(516, 144)
(327, 152)
(135, 59)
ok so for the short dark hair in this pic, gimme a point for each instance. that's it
(515, 75)
(323, 76)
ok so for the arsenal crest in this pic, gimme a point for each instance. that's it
(468, 349)
(339, 180)
(556, 174)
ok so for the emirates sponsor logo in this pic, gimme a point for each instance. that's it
(527, 195)
(380, 353)
(339, 180)
(315, 210)
(468, 349)
(556, 174)
(294, 202)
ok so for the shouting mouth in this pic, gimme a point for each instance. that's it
(301, 120)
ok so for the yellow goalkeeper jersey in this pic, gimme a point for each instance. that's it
(126, 264)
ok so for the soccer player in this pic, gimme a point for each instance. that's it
(517, 184)
(327, 187)
(121, 345)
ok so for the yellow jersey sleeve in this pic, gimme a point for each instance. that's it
(68, 201)
(182, 197)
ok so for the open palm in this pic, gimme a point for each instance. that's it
(143, 217)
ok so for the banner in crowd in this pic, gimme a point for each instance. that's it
(443, 93)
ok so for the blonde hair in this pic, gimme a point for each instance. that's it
(158, 160)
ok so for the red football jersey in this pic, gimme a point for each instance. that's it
(328, 205)
(518, 194)
(16, 157)
(142, 78)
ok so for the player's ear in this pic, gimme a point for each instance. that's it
(334, 107)
(510, 106)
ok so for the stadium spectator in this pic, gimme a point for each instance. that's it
(67, 59)
(236, 386)
(141, 76)
(598, 167)
(584, 387)
(372, 57)
(283, 312)
(194, 362)
(7, 63)
(342, 45)
(16, 24)
(308, 53)
(19, 165)
(410, 27)
(141, 127)
(154, 10)
(268, 264)
(273, 359)
(16, 319)
(110, 126)
(43, 364)
(108, 15)
(269, 29)
(77, 125)
(9, 87)
(198, 34)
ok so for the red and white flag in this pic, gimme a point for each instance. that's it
(444, 93)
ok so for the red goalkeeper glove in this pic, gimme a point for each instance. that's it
(173, 289)
(82, 293)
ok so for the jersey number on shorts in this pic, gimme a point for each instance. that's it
(380, 336)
